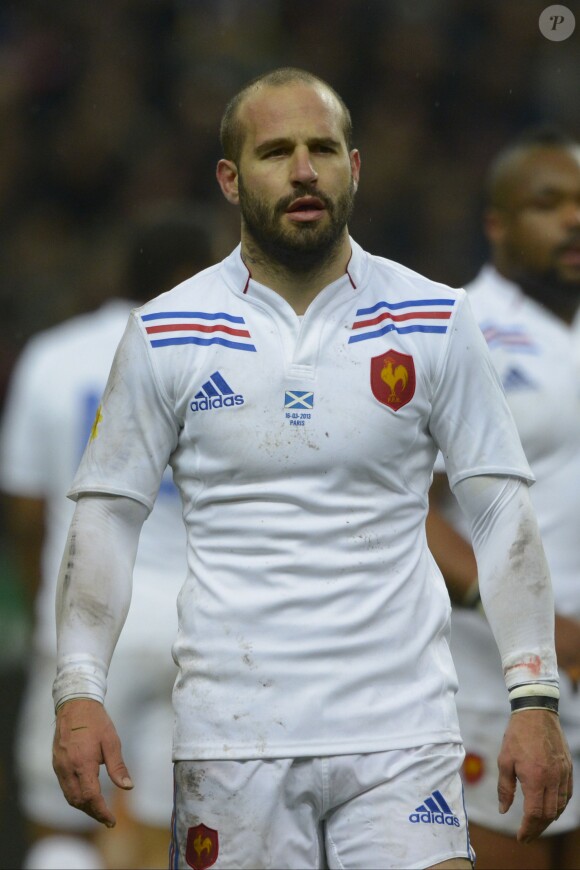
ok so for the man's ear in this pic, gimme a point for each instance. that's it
(227, 176)
(494, 225)
(355, 167)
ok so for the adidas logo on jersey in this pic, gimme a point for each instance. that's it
(215, 393)
(434, 811)
(514, 379)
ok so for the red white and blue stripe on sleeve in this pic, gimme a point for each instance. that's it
(514, 338)
(412, 315)
(166, 328)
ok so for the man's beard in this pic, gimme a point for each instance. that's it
(549, 286)
(311, 244)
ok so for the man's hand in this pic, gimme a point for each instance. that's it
(84, 739)
(535, 752)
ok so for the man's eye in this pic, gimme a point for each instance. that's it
(548, 204)
(548, 201)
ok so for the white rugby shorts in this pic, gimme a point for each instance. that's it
(397, 809)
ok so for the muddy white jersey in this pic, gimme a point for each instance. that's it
(313, 620)
(537, 357)
(54, 394)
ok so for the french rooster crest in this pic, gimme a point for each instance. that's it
(392, 376)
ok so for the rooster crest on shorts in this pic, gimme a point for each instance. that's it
(393, 378)
(202, 847)
(473, 768)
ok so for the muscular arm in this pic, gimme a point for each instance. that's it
(93, 597)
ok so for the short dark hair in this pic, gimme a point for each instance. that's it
(165, 246)
(546, 135)
(231, 129)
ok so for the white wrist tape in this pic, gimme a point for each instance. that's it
(79, 676)
(528, 690)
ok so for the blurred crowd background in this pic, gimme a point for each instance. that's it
(110, 107)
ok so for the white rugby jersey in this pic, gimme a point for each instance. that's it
(55, 391)
(537, 357)
(313, 620)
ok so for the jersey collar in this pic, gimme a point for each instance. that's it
(489, 277)
(239, 278)
(515, 298)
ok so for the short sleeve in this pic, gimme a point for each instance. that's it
(135, 430)
(471, 422)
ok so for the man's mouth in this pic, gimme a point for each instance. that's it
(570, 255)
(306, 208)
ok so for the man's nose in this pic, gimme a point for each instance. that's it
(302, 170)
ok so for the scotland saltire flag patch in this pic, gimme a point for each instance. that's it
(299, 400)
